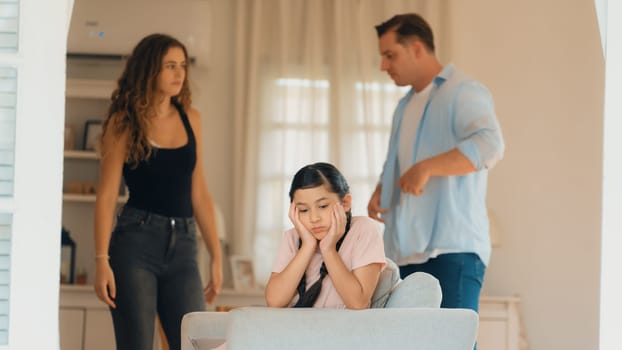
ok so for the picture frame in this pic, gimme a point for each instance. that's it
(243, 272)
(92, 134)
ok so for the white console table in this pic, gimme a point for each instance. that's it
(500, 325)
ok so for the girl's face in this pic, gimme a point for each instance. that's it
(315, 208)
(173, 72)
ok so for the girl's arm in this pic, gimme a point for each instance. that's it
(203, 210)
(282, 286)
(355, 287)
(110, 171)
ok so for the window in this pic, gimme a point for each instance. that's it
(299, 126)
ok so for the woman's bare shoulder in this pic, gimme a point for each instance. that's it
(193, 113)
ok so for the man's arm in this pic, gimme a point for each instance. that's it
(452, 163)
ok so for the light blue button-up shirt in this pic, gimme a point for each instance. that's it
(451, 213)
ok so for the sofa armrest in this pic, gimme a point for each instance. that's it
(419, 289)
(328, 329)
(206, 329)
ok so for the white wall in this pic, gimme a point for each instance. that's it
(542, 60)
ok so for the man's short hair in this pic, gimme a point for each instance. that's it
(408, 26)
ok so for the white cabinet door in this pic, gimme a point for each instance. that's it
(99, 333)
(500, 324)
(492, 335)
(71, 329)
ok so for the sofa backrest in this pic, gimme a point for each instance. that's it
(389, 278)
(328, 329)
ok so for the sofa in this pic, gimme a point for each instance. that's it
(405, 314)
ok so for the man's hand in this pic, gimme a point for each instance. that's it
(373, 208)
(414, 179)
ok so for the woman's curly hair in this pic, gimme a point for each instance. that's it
(133, 100)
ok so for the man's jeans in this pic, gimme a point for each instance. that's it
(460, 274)
(153, 258)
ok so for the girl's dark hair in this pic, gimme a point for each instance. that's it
(408, 26)
(311, 176)
(133, 101)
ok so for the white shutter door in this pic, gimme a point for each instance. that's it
(5, 259)
(8, 89)
(33, 39)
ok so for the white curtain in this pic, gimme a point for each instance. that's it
(308, 88)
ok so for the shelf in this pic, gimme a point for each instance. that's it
(257, 292)
(73, 154)
(86, 198)
(89, 88)
(76, 288)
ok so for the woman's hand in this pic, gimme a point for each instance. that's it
(336, 230)
(105, 287)
(214, 286)
(306, 236)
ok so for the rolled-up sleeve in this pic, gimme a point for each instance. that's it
(476, 126)
(287, 251)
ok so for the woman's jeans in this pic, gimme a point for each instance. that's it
(154, 261)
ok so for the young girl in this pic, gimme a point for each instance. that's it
(329, 259)
(152, 137)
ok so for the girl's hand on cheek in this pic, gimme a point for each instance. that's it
(306, 236)
(336, 230)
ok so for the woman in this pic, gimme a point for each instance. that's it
(152, 137)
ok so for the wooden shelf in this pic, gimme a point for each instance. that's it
(83, 288)
(86, 198)
(74, 154)
(89, 88)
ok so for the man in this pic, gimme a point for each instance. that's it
(432, 191)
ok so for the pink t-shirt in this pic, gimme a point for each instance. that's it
(362, 246)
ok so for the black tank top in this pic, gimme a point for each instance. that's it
(162, 184)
